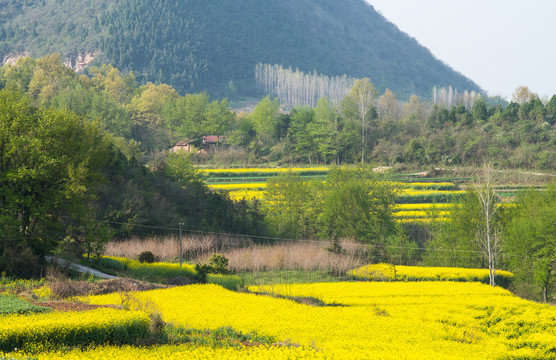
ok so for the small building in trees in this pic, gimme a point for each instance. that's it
(208, 144)
(184, 145)
(213, 143)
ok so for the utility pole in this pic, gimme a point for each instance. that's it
(180, 244)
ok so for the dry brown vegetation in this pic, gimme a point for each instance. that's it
(244, 255)
(298, 255)
(167, 248)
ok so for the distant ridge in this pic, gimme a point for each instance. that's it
(198, 45)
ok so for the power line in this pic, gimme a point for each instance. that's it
(269, 238)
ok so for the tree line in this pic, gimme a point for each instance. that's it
(362, 126)
(366, 126)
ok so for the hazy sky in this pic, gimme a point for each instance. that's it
(499, 44)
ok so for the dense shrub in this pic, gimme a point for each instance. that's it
(201, 272)
(218, 264)
(146, 257)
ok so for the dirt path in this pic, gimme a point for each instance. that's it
(81, 268)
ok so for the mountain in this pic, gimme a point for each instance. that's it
(197, 45)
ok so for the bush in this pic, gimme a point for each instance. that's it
(201, 273)
(146, 257)
(218, 264)
(19, 262)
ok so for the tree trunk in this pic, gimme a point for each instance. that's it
(362, 140)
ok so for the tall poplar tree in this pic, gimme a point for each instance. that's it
(363, 93)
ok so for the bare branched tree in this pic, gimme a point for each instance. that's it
(363, 94)
(487, 235)
(449, 97)
(295, 88)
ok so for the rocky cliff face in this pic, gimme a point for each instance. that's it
(76, 63)
(12, 58)
(79, 62)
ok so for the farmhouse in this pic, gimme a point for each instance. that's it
(208, 144)
(184, 145)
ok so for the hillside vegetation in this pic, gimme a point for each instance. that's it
(74, 176)
(214, 46)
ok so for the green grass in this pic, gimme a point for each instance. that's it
(13, 305)
(105, 265)
(230, 282)
(160, 272)
(218, 338)
(287, 277)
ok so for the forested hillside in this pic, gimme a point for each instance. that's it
(214, 46)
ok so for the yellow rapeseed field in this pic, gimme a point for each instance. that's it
(216, 172)
(172, 352)
(238, 186)
(55, 329)
(418, 213)
(422, 273)
(422, 207)
(246, 194)
(385, 320)
(410, 191)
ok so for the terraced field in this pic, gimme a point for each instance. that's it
(359, 320)
(411, 313)
(421, 200)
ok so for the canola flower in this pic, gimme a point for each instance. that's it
(425, 185)
(421, 221)
(270, 170)
(425, 192)
(171, 352)
(253, 191)
(246, 194)
(423, 207)
(238, 186)
(55, 329)
(9, 285)
(387, 320)
(390, 272)
(418, 214)
(248, 171)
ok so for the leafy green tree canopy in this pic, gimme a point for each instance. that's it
(49, 160)
(530, 242)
